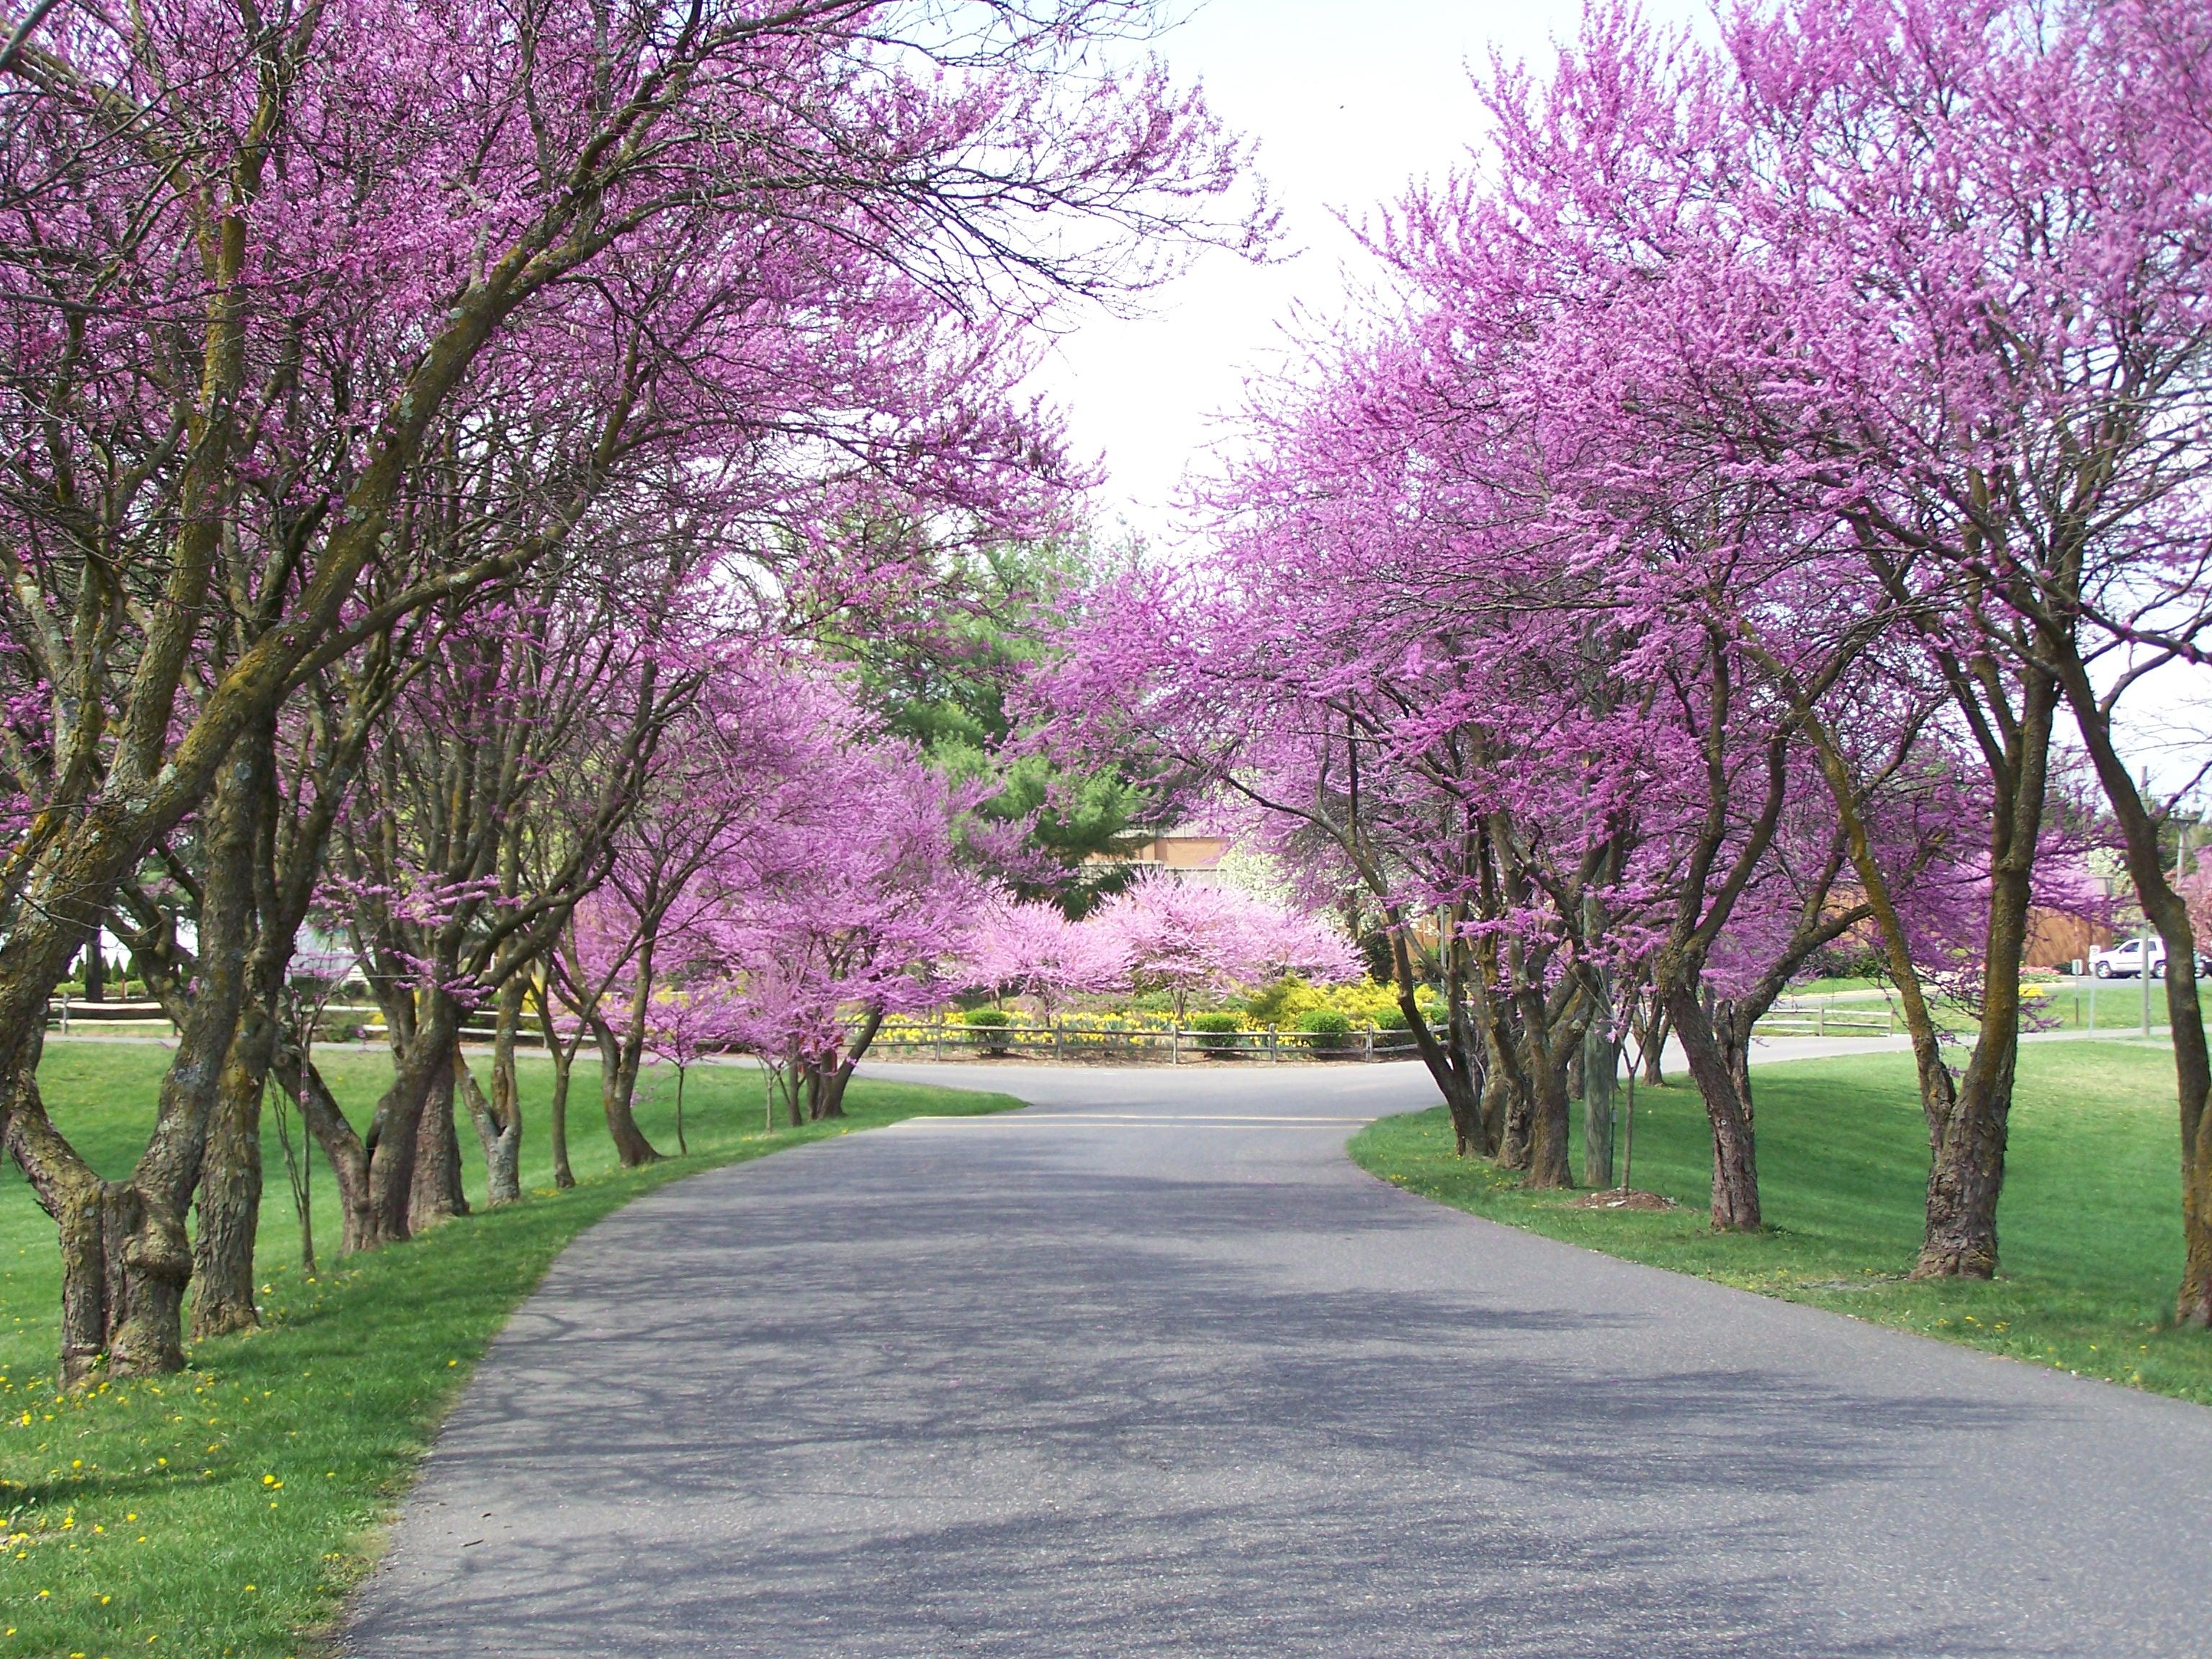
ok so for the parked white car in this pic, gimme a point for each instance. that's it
(2126, 961)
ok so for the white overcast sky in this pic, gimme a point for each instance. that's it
(1350, 103)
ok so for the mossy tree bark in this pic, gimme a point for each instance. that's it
(1966, 1144)
(126, 1258)
(230, 1185)
(436, 1196)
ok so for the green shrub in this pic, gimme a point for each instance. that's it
(1216, 1032)
(1365, 1003)
(991, 1022)
(1325, 1031)
(1279, 1004)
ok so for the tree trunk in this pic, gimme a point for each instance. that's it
(833, 1084)
(556, 1115)
(1727, 1109)
(618, 1063)
(394, 1144)
(436, 1196)
(1548, 1164)
(1496, 1112)
(125, 1265)
(504, 1175)
(126, 1256)
(498, 1120)
(498, 1136)
(563, 1052)
(1544, 1076)
(299, 1178)
(833, 1089)
(1513, 1110)
(1966, 1145)
(230, 1184)
(125, 1262)
(1601, 1055)
(1451, 1067)
(1517, 1122)
(348, 1157)
(1966, 1169)
(1598, 1056)
(1651, 1039)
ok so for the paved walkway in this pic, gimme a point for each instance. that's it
(1153, 1370)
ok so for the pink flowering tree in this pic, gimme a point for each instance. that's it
(1176, 937)
(1862, 275)
(338, 267)
(847, 907)
(1032, 949)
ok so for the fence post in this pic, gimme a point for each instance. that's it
(941, 1037)
(1174, 1045)
(1272, 1055)
(1367, 1045)
(1820, 1015)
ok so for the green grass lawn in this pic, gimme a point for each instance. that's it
(227, 1510)
(2089, 1226)
(1834, 985)
(2114, 1004)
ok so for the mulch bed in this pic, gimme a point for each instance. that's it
(1615, 1199)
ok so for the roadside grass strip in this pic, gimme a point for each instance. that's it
(2090, 1229)
(227, 1510)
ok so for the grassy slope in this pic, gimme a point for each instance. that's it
(226, 1511)
(2089, 1226)
(2114, 1005)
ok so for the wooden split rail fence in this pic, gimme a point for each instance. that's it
(1170, 1046)
(950, 1040)
(1818, 1016)
(78, 1017)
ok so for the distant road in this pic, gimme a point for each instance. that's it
(1153, 1370)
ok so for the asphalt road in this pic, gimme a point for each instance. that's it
(1151, 1369)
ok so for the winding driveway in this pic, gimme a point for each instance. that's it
(1151, 1369)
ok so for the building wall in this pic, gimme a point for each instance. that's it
(1187, 856)
(2054, 941)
